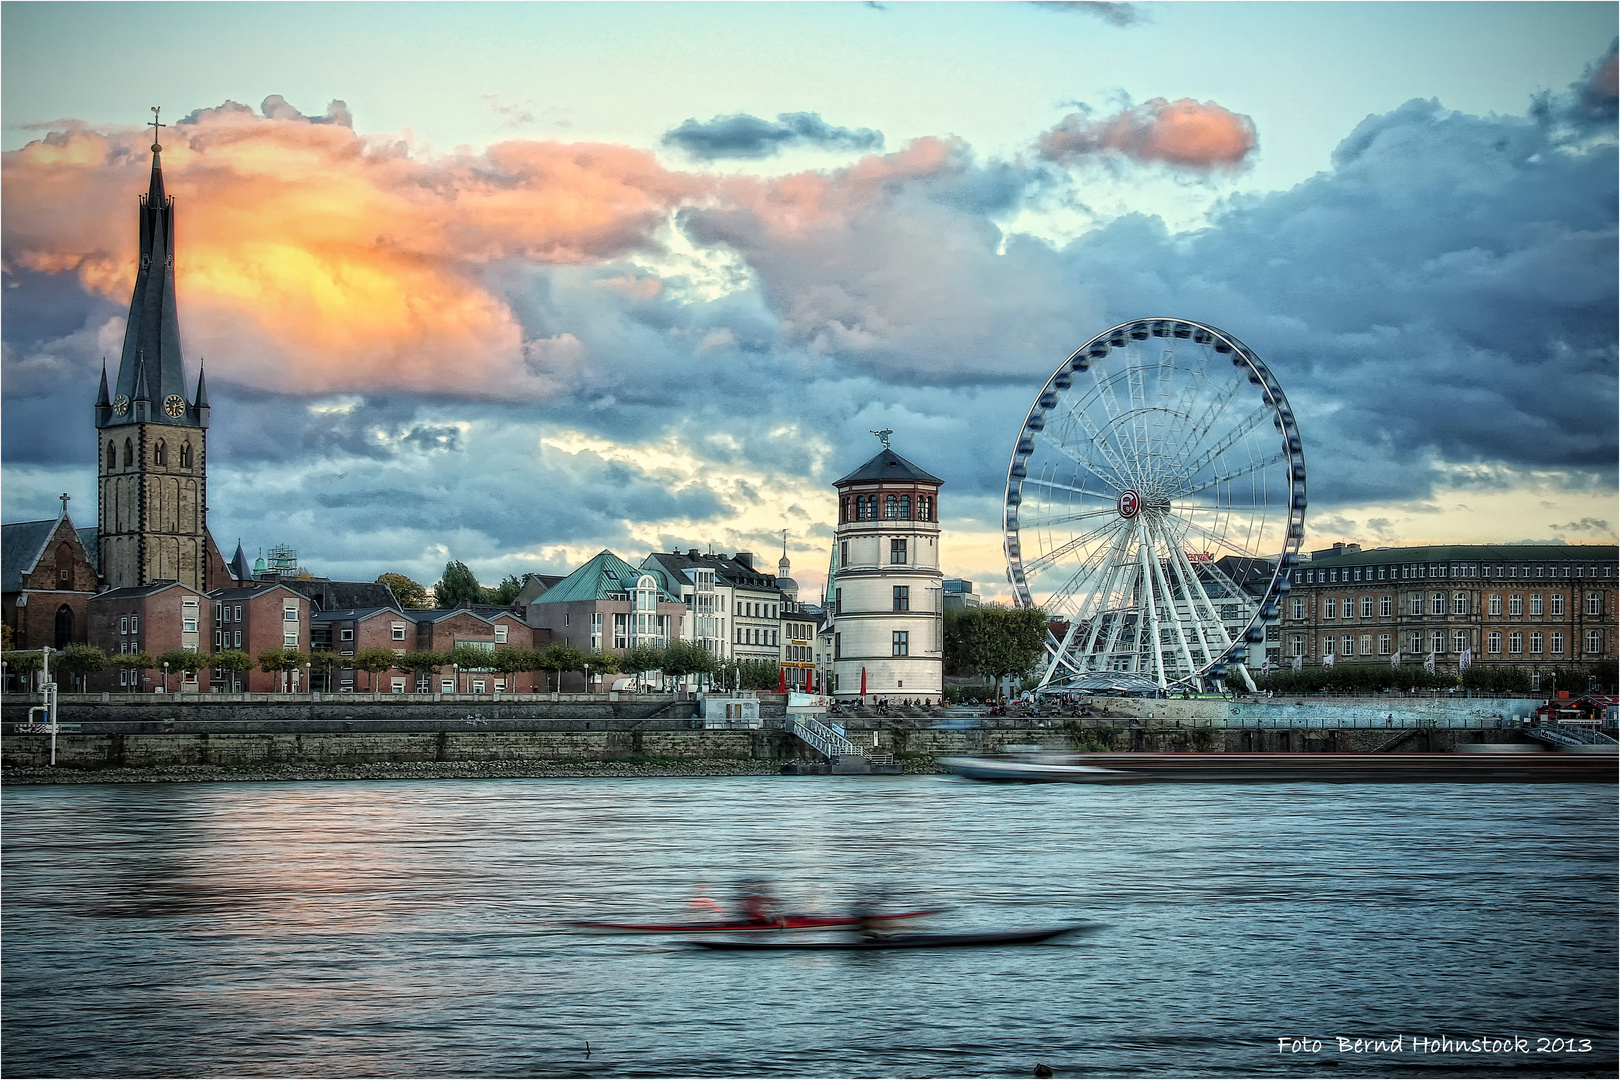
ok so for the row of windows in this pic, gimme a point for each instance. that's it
(756, 611)
(897, 552)
(1459, 605)
(1410, 571)
(887, 508)
(1346, 645)
(753, 635)
(160, 454)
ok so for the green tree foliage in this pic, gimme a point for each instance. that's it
(684, 658)
(234, 661)
(24, 663)
(472, 658)
(1498, 680)
(504, 593)
(994, 641)
(8, 640)
(457, 586)
(423, 660)
(410, 594)
(79, 661)
(752, 675)
(559, 657)
(326, 661)
(1353, 678)
(374, 662)
(182, 660)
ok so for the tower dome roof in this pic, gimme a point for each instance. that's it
(887, 465)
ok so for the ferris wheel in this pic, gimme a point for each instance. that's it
(1155, 504)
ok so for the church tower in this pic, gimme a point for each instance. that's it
(152, 490)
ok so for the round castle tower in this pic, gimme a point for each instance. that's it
(888, 629)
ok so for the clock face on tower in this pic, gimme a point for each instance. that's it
(120, 405)
(174, 406)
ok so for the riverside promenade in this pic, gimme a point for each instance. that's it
(110, 737)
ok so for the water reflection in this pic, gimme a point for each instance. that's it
(407, 928)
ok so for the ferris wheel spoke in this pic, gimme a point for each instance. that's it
(1253, 467)
(1220, 540)
(1199, 429)
(1056, 485)
(1231, 439)
(1100, 438)
(1066, 519)
(1117, 481)
(1041, 562)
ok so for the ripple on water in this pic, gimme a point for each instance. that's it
(403, 928)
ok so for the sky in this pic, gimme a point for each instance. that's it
(514, 283)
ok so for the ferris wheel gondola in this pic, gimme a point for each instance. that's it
(1155, 504)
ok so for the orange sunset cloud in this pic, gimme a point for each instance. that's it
(313, 257)
(1185, 134)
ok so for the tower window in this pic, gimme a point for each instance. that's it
(160, 454)
(902, 598)
(901, 643)
(897, 550)
(129, 453)
(112, 455)
(905, 507)
(185, 455)
(891, 507)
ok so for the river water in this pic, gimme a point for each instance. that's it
(401, 928)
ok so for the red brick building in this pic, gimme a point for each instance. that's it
(49, 576)
(255, 619)
(151, 618)
(444, 630)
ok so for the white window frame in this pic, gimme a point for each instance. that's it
(1556, 645)
(1594, 604)
(1493, 604)
(1556, 605)
(1459, 604)
(1493, 642)
(1535, 604)
(1516, 604)
(399, 631)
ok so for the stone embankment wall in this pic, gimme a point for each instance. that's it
(258, 709)
(146, 744)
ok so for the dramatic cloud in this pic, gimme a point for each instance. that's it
(744, 136)
(1116, 14)
(355, 263)
(533, 352)
(1183, 134)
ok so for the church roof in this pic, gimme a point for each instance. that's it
(21, 545)
(887, 465)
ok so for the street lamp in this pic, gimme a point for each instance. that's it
(165, 676)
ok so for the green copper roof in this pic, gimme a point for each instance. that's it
(604, 576)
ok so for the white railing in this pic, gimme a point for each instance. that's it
(827, 742)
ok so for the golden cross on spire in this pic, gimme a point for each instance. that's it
(155, 126)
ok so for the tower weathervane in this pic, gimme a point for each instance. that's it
(155, 126)
(883, 436)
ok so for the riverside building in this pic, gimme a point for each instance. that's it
(1530, 605)
(888, 632)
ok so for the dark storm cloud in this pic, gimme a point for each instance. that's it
(1112, 13)
(744, 136)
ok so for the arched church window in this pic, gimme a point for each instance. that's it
(112, 455)
(129, 453)
(64, 626)
(185, 455)
(160, 455)
(891, 507)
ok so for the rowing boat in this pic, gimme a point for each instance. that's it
(782, 922)
(900, 941)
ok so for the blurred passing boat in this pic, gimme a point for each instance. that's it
(1138, 768)
(732, 926)
(901, 941)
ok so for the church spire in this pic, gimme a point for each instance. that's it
(152, 334)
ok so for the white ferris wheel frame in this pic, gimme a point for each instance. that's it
(1178, 635)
